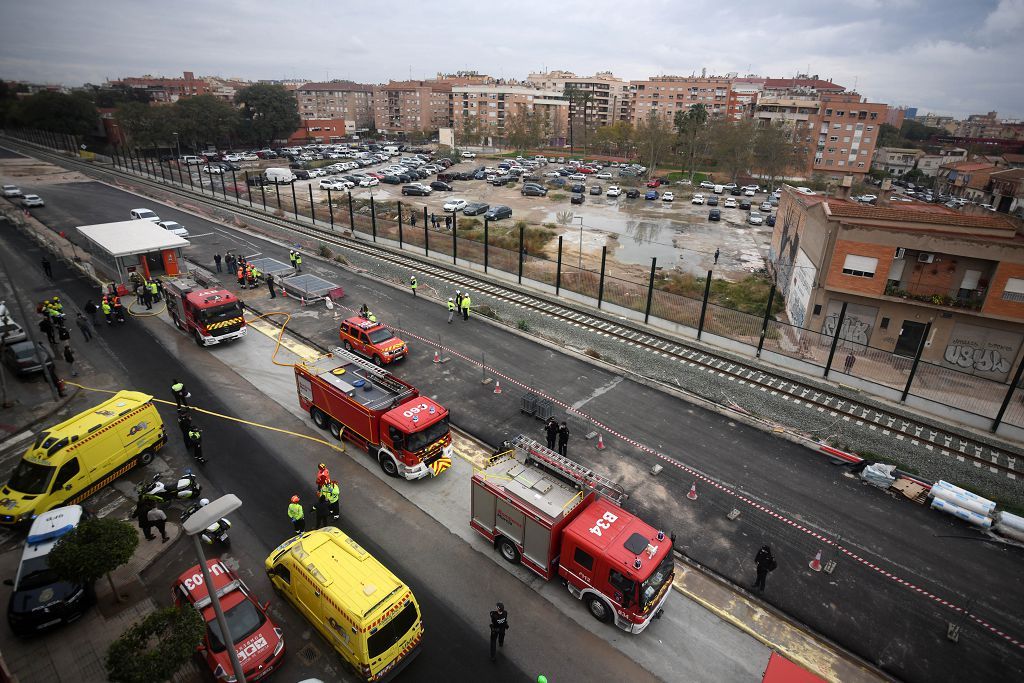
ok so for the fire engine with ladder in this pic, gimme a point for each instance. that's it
(210, 315)
(557, 517)
(354, 399)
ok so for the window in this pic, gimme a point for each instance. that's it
(583, 559)
(828, 112)
(622, 583)
(833, 138)
(283, 573)
(884, 324)
(862, 266)
(817, 309)
(1014, 290)
(69, 470)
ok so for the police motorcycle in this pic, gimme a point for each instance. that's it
(185, 487)
(216, 532)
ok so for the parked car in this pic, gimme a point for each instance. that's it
(469, 155)
(32, 200)
(143, 215)
(604, 175)
(668, 197)
(632, 193)
(707, 185)
(577, 198)
(614, 191)
(697, 199)
(651, 194)
(213, 170)
(453, 205)
(766, 206)
(745, 204)
(730, 203)
(770, 221)
(712, 200)
(736, 192)
(596, 189)
(12, 191)
(577, 176)
(714, 215)
(416, 189)
(653, 182)
(332, 184)
(317, 173)
(174, 228)
(475, 209)
(24, 359)
(440, 186)
(498, 212)
(755, 218)
(531, 190)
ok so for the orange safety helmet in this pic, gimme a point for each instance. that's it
(295, 499)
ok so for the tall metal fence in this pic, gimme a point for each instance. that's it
(879, 370)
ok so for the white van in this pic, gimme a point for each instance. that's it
(280, 176)
(719, 189)
(392, 150)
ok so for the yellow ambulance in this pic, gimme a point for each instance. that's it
(366, 613)
(70, 461)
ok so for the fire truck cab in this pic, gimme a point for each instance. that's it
(557, 517)
(373, 340)
(210, 315)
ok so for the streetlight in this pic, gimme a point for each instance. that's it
(580, 266)
(195, 525)
(177, 144)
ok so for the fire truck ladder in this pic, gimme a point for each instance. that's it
(561, 465)
(381, 376)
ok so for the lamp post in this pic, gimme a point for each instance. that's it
(195, 525)
(177, 144)
(580, 264)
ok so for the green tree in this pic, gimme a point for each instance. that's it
(94, 548)
(774, 152)
(57, 112)
(155, 648)
(270, 112)
(207, 119)
(917, 132)
(615, 138)
(691, 133)
(733, 146)
(889, 136)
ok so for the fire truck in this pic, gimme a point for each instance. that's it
(354, 399)
(559, 518)
(211, 316)
(373, 340)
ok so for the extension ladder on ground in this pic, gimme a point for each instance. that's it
(584, 476)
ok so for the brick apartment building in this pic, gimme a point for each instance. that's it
(604, 96)
(165, 90)
(666, 95)
(403, 107)
(900, 268)
(483, 110)
(844, 133)
(344, 100)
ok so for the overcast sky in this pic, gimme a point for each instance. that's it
(955, 57)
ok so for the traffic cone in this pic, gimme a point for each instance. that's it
(692, 493)
(497, 387)
(600, 442)
(815, 564)
(437, 356)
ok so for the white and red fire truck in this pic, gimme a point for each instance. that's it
(407, 433)
(557, 517)
(210, 315)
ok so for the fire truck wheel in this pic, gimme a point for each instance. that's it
(198, 337)
(508, 550)
(377, 361)
(599, 608)
(319, 419)
(387, 463)
(335, 428)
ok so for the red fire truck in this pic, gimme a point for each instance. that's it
(558, 517)
(407, 433)
(210, 315)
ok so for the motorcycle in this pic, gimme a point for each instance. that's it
(216, 532)
(186, 486)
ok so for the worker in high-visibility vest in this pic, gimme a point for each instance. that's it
(297, 515)
(413, 284)
(331, 493)
(451, 309)
(465, 306)
(107, 310)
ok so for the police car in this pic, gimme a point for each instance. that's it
(259, 643)
(41, 601)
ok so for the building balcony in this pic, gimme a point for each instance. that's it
(970, 300)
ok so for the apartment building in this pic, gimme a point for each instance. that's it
(846, 127)
(801, 86)
(966, 179)
(403, 107)
(899, 269)
(344, 100)
(599, 99)
(479, 112)
(1007, 188)
(896, 160)
(666, 95)
(165, 90)
(793, 111)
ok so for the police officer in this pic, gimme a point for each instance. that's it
(563, 438)
(184, 422)
(499, 624)
(195, 440)
(413, 284)
(465, 306)
(297, 515)
(451, 309)
(180, 393)
(364, 311)
(551, 429)
(322, 509)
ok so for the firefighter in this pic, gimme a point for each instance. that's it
(499, 624)
(465, 306)
(195, 440)
(297, 515)
(154, 290)
(298, 262)
(181, 394)
(323, 476)
(241, 275)
(451, 309)
(413, 284)
(105, 307)
(332, 494)
(118, 309)
(364, 311)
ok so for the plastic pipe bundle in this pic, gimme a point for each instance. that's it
(968, 516)
(1009, 525)
(963, 498)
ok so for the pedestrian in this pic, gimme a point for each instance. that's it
(765, 563)
(63, 333)
(499, 624)
(195, 440)
(458, 299)
(322, 511)
(563, 438)
(465, 306)
(47, 268)
(412, 219)
(181, 394)
(848, 363)
(69, 358)
(291, 257)
(139, 291)
(447, 222)
(85, 326)
(90, 310)
(323, 476)
(231, 262)
(147, 296)
(433, 221)
(298, 262)
(717, 252)
(107, 310)
(185, 424)
(413, 284)
(297, 515)
(270, 285)
(142, 515)
(158, 518)
(551, 429)
(46, 327)
(451, 309)
(332, 493)
(216, 260)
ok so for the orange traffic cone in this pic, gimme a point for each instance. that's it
(437, 356)
(815, 564)
(497, 387)
(600, 442)
(692, 494)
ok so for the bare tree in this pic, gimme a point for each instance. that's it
(733, 145)
(774, 151)
(653, 138)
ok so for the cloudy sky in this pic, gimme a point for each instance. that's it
(956, 57)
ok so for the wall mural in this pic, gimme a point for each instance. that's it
(857, 324)
(982, 351)
(798, 292)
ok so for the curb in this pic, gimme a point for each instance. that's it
(47, 415)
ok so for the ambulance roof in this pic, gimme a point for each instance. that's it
(356, 578)
(625, 539)
(85, 423)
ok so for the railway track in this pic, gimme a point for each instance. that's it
(899, 428)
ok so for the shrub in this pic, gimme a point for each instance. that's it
(325, 251)
(523, 325)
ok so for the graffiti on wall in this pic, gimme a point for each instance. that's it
(857, 324)
(981, 351)
(798, 294)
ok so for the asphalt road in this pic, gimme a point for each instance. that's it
(874, 616)
(454, 585)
